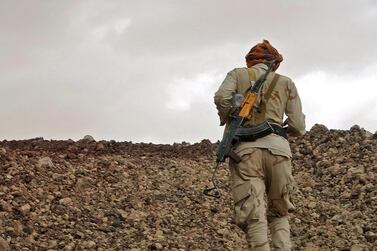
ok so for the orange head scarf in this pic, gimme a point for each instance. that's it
(264, 53)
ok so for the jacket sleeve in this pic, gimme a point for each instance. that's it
(223, 96)
(296, 119)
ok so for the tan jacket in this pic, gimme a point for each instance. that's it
(284, 100)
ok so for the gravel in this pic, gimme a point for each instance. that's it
(107, 195)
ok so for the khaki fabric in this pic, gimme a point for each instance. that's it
(280, 233)
(261, 184)
(262, 181)
(284, 100)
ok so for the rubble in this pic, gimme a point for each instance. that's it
(107, 195)
(4, 246)
(45, 162)
(87, 138)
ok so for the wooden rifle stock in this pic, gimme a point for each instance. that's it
(225, 148)
(248, 104)
(252, 95)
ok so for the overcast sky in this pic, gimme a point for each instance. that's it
(147, 70)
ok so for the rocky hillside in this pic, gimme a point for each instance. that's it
(88, 195)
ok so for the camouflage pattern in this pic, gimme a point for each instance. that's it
(284, 100)
(262, 182)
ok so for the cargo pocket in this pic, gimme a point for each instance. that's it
(288, 191)
(249, 202)
(283, 206)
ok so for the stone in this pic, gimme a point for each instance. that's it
(18, 227)
(355, 128)
(52, 244)
(155, 246)
(315, 215)
(356, 248)
(69, 247)
(100, 147)
(138, 196)
(318, 128)
(297, 220)
(159, 235)
(4, 246)
(223, 232)
(25, 209)
(45, 162)
(312, 204)
(66, 201)
(5, 206)
(346, 194)
(311, 247)
(82, 183)
(358, 230)
(88, 138)
(339, 243)
(158, 246)
(3, 151)
(371, 236)
(89, 244)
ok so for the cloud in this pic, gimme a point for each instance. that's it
(144, 70)
(340, 101)
(182, 93)
(117, 27)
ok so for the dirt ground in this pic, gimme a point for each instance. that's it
(107, 195)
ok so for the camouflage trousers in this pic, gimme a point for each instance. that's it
(261, 184)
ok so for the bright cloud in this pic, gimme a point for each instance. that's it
(117, 26)
(339, 101)
(183, 92)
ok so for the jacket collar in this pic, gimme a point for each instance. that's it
(261, 66)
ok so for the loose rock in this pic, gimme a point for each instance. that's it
(88, 138)
(4, 246)
(25, 209)
(66, 201)
(45, 162)
(136, 196)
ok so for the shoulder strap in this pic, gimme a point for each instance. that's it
(244, 78)
(251, 73)
(271, 87)
(259, 117)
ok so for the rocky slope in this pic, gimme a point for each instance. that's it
(87, 195)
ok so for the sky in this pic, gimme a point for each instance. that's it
(146, 71)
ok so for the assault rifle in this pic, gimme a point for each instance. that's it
(241, 109)
(224, 149)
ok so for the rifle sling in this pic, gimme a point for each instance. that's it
(259, 115)
(271, 88)
(251, 73)
(252, 77)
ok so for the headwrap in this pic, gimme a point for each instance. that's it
(263, 53)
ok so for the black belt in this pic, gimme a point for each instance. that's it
(252, 133)
(282, 131)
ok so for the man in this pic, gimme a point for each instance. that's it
(262, 181)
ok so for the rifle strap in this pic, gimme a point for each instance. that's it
(260, 116)
(251, 73)
(271, 88)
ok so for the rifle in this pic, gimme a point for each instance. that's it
(241, 110)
